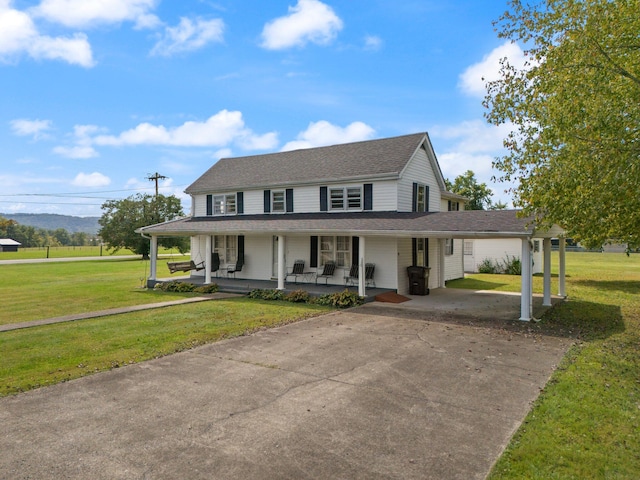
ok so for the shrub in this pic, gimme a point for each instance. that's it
(344, 299)
(175, 286)
(211, 288)
(267, 294)
(297, 296)
(487, 266)
(512, 266)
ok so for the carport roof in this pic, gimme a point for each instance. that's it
(461, 224)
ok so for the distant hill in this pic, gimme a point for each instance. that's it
(52, 221)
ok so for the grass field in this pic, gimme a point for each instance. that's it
(35, 291)
(586, 422)
(66, 252)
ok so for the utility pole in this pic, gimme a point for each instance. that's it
(155, 177)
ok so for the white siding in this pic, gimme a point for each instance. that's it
(385, 196)
(382, 252)
(306, 199)
(418, 170)
(253, 202)
(434, 254)
(405, 257)
(200, 206)
(453, 264)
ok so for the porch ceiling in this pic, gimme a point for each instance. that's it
(461, 224)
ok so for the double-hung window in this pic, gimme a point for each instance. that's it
(448, 246)
(336, 249)
(226, 246)
(345, 198)
(224, 204)
(453, 206)
(277, 201)
(420, 197)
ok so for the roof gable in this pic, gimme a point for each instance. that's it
(349, 161)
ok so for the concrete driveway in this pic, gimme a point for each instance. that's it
(369, 393)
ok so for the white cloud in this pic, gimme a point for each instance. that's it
(35, 128)
(473, 80)
(372, 43)
(309, 21)
(323, 133)
(19, 35)
(94, 179)
(77, 151)
(86, 13)
(471, 145)
(189, 35)
(219, 130)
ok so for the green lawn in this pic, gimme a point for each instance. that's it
(66, 252)
(40, 356)
(586, 422)
(36, 291)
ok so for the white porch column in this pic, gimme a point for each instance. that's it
(153, 255)
(441, 255)
(561, 267)
(525, 279)
(282, 268)
(362, 281)
(546, 249)
(207, 259)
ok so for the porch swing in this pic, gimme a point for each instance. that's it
(185, 266)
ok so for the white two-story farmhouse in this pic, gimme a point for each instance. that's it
(380, 202)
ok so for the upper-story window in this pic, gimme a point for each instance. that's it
(453, 206)
(222, 204)
(420, 198)
(277, 201)
(345, 198)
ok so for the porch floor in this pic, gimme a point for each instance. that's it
(244, 285)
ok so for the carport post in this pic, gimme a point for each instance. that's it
(153, 254)
(361, 273)
(207, 260)
(546, 249)
(561, 267)
(281, 266)
(525, 279)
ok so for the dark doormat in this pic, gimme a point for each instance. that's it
(391, 297)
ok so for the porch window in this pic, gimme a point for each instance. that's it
(448, 246)
(421, 252)
(349, 198)
(468, 247)
(337, 249)
(226, 246)
(224, 204)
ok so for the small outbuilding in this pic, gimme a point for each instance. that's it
(9, 245)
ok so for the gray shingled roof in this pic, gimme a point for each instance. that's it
(466, 223)
(387, 156)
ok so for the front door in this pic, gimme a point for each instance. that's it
(274, 256)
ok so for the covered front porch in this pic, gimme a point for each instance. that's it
(245, 285)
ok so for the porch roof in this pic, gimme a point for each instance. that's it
(460, 224)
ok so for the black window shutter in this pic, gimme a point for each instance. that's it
(209, 204)
(426, 252)
(267, 201)
(289, 200)
(414, 206)
(241, 248)
(368, 196)
(324, 207)
(426, 198)
(313, 255)
(240, 202)
(355, 250)
(414, 251)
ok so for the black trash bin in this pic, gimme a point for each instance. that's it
(418, 280)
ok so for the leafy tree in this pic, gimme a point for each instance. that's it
(574, 152)
(467, 185)
(122, 217)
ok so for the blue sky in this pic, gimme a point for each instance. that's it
(97, 95)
